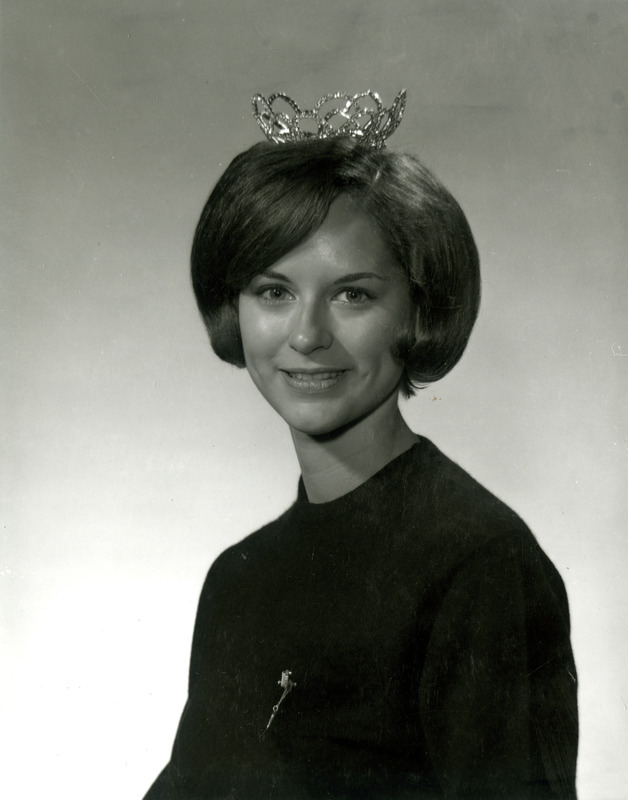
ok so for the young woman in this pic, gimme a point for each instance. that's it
(398, 632)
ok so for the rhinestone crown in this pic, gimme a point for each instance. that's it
(361, 116)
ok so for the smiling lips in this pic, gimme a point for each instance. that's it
(313, 381)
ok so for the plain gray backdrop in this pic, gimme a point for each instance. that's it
(132, 456)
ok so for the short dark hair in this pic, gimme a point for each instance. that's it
(272, 197)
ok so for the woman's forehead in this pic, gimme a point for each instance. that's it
(348, 241)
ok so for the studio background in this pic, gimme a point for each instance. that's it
(132, 456)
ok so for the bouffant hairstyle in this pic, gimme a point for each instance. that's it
(272, 197)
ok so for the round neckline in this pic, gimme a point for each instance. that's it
(364, 489)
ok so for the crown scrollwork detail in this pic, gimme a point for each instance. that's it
(361, 116)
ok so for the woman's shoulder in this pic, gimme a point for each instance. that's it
(449, 486)
(457, 515)
(455, 537)
(446, 489)
(255, 553)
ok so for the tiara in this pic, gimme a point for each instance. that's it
(361, 116)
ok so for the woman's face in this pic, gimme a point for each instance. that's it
(318, 328)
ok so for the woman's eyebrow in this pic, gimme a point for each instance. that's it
(350, 278)
(360, 276)
(275, 276)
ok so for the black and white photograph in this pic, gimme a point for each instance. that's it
(314, 363)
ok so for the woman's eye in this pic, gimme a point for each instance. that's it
(354, 296)
(274, 294)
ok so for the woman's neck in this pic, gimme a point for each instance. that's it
(334, 465)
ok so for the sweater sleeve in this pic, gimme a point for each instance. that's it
(498, 688)
(178, 780)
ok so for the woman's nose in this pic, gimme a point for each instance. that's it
(310, 330)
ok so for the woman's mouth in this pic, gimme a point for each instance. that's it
(311, 381)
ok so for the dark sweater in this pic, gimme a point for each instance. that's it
(428, 636)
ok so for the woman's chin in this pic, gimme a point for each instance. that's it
(325, 427)
(317, 428)
(323, 420)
